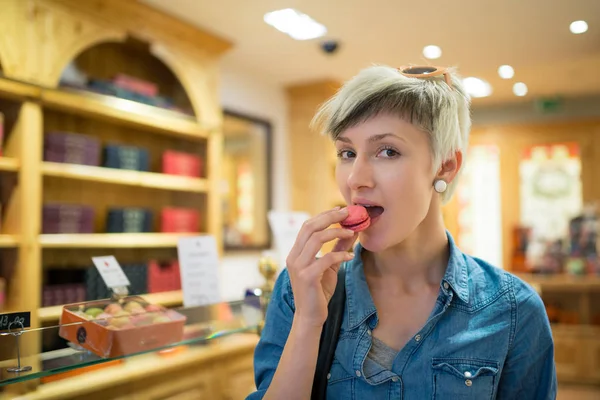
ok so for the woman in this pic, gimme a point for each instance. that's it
(422, 320)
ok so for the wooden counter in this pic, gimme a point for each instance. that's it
(222, 369)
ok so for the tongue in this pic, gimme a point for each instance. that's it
(374, 211)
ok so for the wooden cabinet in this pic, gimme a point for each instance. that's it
(569, 353)
(237, 377)
(577, 345)
(39, 41)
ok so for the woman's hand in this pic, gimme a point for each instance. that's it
(314, 280)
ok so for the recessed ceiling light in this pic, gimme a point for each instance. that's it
(520, 89)
(477, 87)
(296, 24)
(432, 52)
(578, 27)
(506, 71)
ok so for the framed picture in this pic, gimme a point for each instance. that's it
(246, 188)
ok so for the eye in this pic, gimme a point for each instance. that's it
(345, 154)
(388, 152)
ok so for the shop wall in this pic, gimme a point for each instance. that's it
(516, 128)
(253, 94)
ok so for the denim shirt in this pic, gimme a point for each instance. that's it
(488, 337)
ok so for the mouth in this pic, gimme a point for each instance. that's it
(373, 210)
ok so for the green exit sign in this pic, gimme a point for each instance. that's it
(549, 105)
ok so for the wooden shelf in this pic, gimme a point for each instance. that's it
(17, 90)
(49, 314)
(166, 299)
(576, 330)
(111, 240)
(124, 111)
(9, 164)
(125, 177)
(562, 282)
(9, 241)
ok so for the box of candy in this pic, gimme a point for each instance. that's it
(128, 220)
(126, 157)
(71, 148)
(179, 220)
(177, 163)
(111, 328)
(163, 276)
(67, 218)
(136, 85)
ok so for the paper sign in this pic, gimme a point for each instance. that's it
(111, 272)
(199, 268)
(285, 226)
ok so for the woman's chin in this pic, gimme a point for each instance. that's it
(371, 243)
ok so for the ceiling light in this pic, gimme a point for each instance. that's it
(520, 89)
(506, 71)
(578, 27)
(296, 24)
(476, 87)
(432, 52)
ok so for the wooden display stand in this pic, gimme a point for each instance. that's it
(38, 40)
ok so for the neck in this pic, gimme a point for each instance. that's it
(419, 261)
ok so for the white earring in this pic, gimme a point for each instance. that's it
(440, 186)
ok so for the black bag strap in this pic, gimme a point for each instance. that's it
(329, 336)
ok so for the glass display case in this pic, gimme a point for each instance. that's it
(104, 333)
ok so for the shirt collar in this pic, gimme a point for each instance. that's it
(359, 302)
(456, 271)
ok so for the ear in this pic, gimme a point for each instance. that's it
(450, 167)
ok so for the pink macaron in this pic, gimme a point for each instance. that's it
(357, 220)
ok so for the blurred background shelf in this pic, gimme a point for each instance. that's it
(17, 90)
(9, 241)
(124, 111)
(125, 177)
(9, 164)
(562, 282)
(112, 240)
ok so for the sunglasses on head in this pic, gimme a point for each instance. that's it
(425, 71)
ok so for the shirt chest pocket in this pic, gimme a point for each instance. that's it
(464, 378)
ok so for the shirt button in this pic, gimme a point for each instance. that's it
(418, 338)
(446, 286)
(369, 332)
(395, 379)
(328, 376)
(358, 373)
(468, 382)
(468, 374)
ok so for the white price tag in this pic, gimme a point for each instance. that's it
(111, 272)
(199, 268)
(285, 226)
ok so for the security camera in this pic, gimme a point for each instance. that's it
(330, 46)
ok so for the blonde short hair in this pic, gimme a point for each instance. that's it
(429, 104)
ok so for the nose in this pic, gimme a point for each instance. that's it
(361, 175)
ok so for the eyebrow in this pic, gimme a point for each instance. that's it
(372, 139)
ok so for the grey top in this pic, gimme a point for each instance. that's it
(380, 353)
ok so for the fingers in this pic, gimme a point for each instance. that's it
(318, 268)
(315, 224)
(345, 244)
(318, 239)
